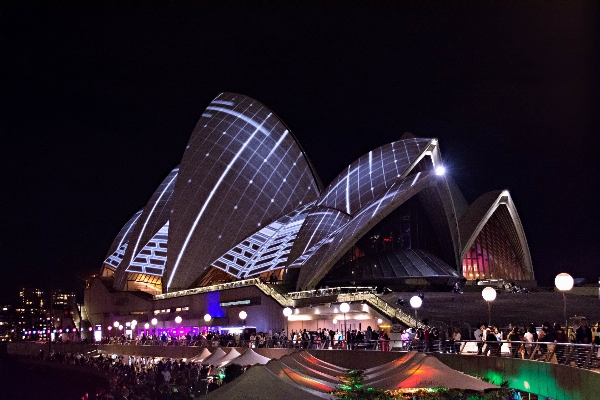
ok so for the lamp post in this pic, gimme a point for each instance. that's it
(564, 283)
(154, 321)
(344, 308)
(286, 313)
(489, 294)
(416, 302)
(243, 316)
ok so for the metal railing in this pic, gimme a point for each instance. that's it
(586, 356)
(366, 294)
(335, 291)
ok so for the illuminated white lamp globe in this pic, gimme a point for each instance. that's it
(344, 307)
(116, 324)
(133, 323)
(379, 321)
(178, 319)
(154, 321)
(416, 302)
(563, 282)
(287, 311)
(489, 293)
(440, 170)
(120, 327)
(243, 315)
(207, 317)
(335, 321)
(146, 325)
(89, 329)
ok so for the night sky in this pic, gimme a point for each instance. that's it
(98, 102)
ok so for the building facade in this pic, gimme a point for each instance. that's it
(245, 202)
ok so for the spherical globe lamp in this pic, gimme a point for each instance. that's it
(146, 325)
(178, 319)
(207, 317)
(489, 294)
(133, 323)
(116, 324)
(416, 302)
(287, 311)
(563, 282)
(154, 321)
(243, 315)
(344, 307)
(335, 320)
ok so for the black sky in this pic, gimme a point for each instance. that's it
(98, 102)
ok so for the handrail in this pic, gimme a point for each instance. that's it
(583, 356)
(368, 295)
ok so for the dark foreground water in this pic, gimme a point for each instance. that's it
(22, 380)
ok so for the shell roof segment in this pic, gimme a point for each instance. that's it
(480, 211)
(367, 178)
(115, 254)
(242, 170)
(320, 258)
(153, 218)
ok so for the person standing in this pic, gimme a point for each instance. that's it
(479, 339)
(456, 337)
(583, 335)
(492, 344)
(512, 337)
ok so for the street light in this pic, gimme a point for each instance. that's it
(416, 302)
(154, 321)
(116, 324)
(207, 318)
(489, 294)
(344, 308)
(564, 283)
(146, 326)
(286, 313)
(178, 319)
(243, 316)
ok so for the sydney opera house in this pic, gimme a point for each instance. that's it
(244, 223)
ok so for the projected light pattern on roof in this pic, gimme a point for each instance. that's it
(320, 223)
(245, 200)
(242, 162)
(115, 259)
(119, 245)
(321, 257)
(152, 219)
(266, 250)
(152, 258)
(371, 175)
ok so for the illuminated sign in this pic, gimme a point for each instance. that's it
(235, 303)
(246, 302)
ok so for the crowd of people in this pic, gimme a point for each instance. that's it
(134, 378)
(146, 378)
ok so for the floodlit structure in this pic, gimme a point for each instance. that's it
(245, 202)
